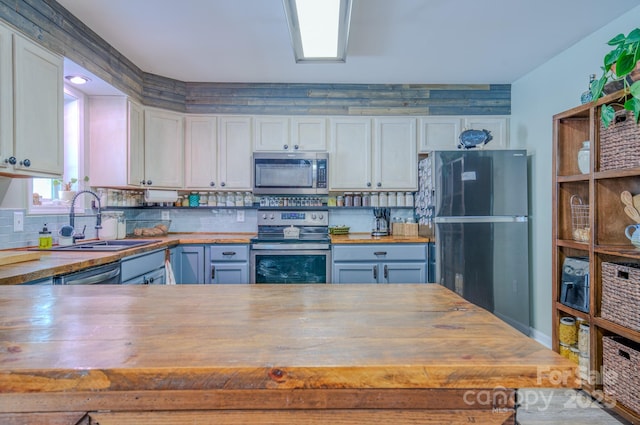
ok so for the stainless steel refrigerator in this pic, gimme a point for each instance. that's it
(476, 200)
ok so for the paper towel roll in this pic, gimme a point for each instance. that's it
(153, 195)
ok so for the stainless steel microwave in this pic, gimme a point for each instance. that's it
(290, 173)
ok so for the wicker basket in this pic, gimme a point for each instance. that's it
(620, 142)
(621, 379)
(621, 294)
(579, 219)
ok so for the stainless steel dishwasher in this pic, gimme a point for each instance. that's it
(106, 274)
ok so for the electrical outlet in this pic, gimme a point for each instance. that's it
(18, 221)
(166, 215)
(240, 216)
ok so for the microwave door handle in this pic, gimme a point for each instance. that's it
(314, 173)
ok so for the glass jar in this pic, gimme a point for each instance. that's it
(204, 199)
(391, 199)
(383, 199)
(348, 199)
(231, 199)
(375, 199)
(185, 201)
(583, 338)
(583, 366)
(194, 199)
(567, 331)
(340, 201)
(574, 354)
(366, 199)
(213, 199)
(584, 157)
(587, 96)
(248, 199)
(357, 199)
(408, 199)
(564, 350)
(179, 201)
(400, 199)
(239, 199)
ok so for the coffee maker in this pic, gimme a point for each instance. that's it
(380, 222)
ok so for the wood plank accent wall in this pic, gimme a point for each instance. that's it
(50, 24)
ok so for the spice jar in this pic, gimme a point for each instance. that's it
(204, 199)
(213, 199)
(383, 199)
(348, 199)
(375, 199)
(231, 199)
(366, 199)
(408, 199)
(567, 331)
(391, 200)
(194, 199)
(340, 201)
(357, 199)
(248, 199)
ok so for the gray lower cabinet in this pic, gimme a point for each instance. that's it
(144, 269)
(190, 264)
(43, 281)
(228, 264)
(379, 263)
(216, 263)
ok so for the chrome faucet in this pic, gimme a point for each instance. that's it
(72, 214)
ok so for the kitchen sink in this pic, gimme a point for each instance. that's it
(95, 246)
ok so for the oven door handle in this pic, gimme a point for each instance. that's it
(290, 246)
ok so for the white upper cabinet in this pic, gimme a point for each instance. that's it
(443, 132)
(395, 158)
(284, 134)
(201, 152)
(31, 102)
(308, 134)
(234, 152)
(163, 149)
(385, 159)
(116, 142)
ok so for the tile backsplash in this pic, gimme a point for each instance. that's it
(183, 220)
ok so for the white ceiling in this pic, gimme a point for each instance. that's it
(391, 41)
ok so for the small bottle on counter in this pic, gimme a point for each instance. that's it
(45, 241)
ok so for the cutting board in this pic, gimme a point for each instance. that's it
(18, 257)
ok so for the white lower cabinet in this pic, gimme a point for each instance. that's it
(379, 263)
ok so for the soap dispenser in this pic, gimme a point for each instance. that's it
(45, 241)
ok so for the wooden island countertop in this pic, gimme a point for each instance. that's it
(255, 354)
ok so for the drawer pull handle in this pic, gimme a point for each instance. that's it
(229, 253)
(380, 253)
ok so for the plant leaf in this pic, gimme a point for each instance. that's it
(611, 57)
(606, 114)
(625, 64)
(634, 36)
(597, 86)
(618, 39)
(633, 104)
(635, 89)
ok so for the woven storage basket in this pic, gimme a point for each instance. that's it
(620, 142)
(621, 294)
(621, 380)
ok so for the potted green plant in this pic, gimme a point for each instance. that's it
(619, 65)
(65, 192)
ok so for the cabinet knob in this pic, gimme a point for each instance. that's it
(379, 184)
(212, 184)
(296, 147)
(149, 182)
(368, 184)
(11, 160)
(26, 163)
(150, 280)
(223, 184)
(286, 147)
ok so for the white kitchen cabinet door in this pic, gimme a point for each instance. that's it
(201, 152)
(308, 134)
(115, 142)
(498, 126)
(438, 133)
(350, 153)
(395, 157)
(234, 152)
(163, 149)
(6, 97)
(38, 110)
(271, 134)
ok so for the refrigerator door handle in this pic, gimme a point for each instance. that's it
(482, 219)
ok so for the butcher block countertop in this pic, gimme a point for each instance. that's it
(133, 354)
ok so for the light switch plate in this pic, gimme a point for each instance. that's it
(240, 216)
(166, 215)
(18, 221)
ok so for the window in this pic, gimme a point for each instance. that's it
(47, 196)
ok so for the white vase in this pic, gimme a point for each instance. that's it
(584, 157)
(66, 195)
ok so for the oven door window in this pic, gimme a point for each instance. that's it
(277, 268)
(283, 173)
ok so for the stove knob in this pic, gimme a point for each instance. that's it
(272, 217)
(321, 216)
(313, 216)
(264, 216)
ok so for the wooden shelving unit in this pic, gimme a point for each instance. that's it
(607, 221)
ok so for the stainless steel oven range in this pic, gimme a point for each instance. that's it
(292, 246)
